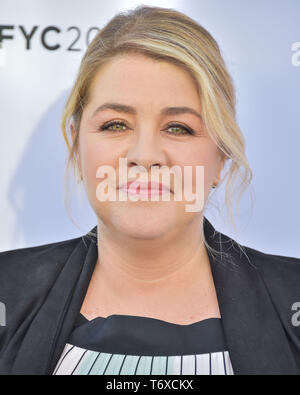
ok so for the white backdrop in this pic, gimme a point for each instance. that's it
(42, 44)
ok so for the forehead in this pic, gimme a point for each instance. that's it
(140, 79)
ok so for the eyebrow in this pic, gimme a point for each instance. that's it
(132, 111)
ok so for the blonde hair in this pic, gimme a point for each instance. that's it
(168, 35)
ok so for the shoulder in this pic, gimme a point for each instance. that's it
(24, 268)
(22, 257)
(271, 264)
(280, 274)
(278, 271)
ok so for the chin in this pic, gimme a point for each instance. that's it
(143, 224)
(145, 234)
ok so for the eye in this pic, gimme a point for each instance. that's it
(118, 126)
(179, 128)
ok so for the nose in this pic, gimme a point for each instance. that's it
(146, 150)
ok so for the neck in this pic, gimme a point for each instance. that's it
(176, 257)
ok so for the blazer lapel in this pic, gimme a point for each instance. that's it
(255, 337)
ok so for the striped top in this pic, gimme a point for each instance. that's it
(135, 345)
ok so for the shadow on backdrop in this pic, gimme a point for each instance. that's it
(36, 190)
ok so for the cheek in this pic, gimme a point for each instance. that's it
(93, 155)
(205, 155)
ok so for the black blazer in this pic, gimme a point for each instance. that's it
(43, 288)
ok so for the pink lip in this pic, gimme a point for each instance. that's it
(145, 187)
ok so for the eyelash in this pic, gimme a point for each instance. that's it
(105, 127)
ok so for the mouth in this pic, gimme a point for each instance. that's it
(150, 188)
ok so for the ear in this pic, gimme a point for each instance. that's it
(73, 132)
(73, 136)
(220, 167)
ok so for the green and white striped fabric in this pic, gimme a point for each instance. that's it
(134, 345)
(79, 361)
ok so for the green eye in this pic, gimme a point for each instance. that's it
(178, 130)
(114, 126)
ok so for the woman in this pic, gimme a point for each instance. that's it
(153, 288)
